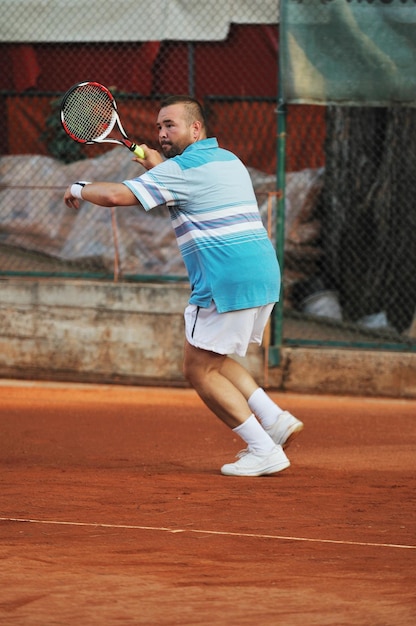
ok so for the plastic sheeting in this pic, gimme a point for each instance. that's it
(34, 218)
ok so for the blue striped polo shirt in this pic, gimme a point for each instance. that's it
(227, 253)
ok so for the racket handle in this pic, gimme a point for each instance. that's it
(137, 151)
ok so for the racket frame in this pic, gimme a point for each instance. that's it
(115, 119)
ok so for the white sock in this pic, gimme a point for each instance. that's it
(264, 408)
(254, 435)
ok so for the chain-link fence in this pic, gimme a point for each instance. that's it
(351, 252)
(224, 55)
(349, 243)
(350, 239)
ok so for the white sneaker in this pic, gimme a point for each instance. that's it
(285, 429)
(255, 464)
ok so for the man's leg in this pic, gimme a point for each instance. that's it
(226, 397)
(281, 425)
(239, 377)
(262, 456)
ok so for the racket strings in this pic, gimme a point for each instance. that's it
(88, 113)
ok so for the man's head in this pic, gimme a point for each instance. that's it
(181, 121)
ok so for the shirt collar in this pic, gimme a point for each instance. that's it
(202, 144)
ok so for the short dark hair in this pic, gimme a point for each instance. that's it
(193, 107)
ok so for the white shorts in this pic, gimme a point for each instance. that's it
(225, 333)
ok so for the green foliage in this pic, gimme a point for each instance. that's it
(59, 145)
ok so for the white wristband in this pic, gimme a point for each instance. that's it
(76, 188)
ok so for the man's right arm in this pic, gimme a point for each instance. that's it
(102, 193)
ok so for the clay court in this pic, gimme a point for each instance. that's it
(114, 511)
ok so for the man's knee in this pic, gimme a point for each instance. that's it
(187, 370)
(198, 364)
(190, 364)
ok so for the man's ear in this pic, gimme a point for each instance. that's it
(196, 129)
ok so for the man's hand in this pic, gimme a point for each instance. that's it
(70, 200)
(151, 157)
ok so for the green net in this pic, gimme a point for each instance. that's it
(349, 51)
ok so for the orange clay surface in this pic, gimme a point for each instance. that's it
(114, 513)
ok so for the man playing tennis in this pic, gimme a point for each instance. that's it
(232, 268)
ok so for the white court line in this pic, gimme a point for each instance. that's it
(207, 532)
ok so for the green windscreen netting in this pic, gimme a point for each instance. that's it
(349, 51)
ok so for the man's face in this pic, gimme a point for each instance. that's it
(175, 132)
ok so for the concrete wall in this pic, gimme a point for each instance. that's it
(133, 333)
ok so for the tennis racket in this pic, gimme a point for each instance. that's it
(89, 114)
